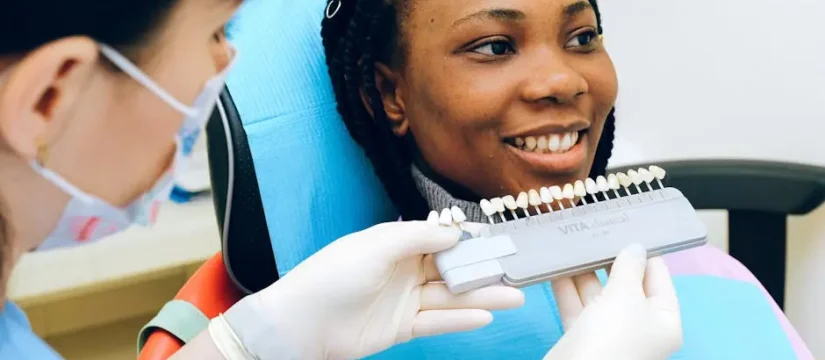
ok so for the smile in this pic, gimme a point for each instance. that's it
(562, 152)
(552, 143)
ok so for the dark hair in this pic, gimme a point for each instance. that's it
(123, 24)
(367, 31)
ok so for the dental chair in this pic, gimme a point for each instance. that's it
(272, 215)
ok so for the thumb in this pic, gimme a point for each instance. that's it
(409, 238)
(628, 270)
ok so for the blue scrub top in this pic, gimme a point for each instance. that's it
(17, 341)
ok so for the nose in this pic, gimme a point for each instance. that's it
(553, 80)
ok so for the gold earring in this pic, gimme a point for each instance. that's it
(42, 152)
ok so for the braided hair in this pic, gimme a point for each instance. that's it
(357, 35)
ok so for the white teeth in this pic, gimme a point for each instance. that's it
(534, 198)
(568, 192)
(658, 172)
(647, 176)
(498, 204)
(487, 207)
(634, 176)
(591, 186)
(624, 179)
(523, 200)
(510, 202)
(432, 219)
(458, 215)
(613, 181)
(554, 143)
(541, 144)
(557, 192)
(579, 188)
(530, 143)
(446, 217)
(546, 195)
(602, 183)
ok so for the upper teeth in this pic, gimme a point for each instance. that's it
(556, 143)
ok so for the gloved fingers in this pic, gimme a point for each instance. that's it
(437, 322)
(568, 301)
(431, 273)
(403, 239)
(628, 270)
(435, 296)
(588, 287)
(658, 286)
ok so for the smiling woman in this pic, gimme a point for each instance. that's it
(476, 98)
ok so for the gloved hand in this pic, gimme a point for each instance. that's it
(635, 317)
(362, 294)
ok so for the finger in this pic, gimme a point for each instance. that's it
(439, 297)
(628, 269)
(403, 239)
(588, 287)
(568, 301)
(658, 286)
(438, 322)
(474, 228)
(431, 273)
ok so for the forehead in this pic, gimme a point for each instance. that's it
(442, 13)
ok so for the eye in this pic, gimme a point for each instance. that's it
(583, 40)
(495, 48)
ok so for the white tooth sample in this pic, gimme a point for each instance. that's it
(458, 215)
(530, 143)
(432, 219)
(634, 176)
(541, 143)
(658, 172)
(579, 189)
(510, 202)
(647, 176)
(546, 195)
(534, 198)
(566, 142)
(613, 181)
(498, 204)
(554, 144)
(601, 182)
(557, 192)
(523, 201)
(519, 142)
(626, 181)
(568, 192)
(591, 186)
(488, 209)
(446, 217)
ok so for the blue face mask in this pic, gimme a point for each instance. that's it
(88, 218)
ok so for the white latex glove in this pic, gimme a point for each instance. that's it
(635, 317)
(362, 294)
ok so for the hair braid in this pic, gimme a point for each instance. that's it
(362, 33)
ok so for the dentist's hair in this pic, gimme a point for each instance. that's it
(360, 34)
(123, 24)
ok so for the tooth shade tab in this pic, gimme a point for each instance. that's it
(487, 207)
(658, 172)
(591, 186)
(498, 204)
(432, 218)
(634, 176)
(624, 179)
(601, 183)
(510, 202)
(613, 181)
(523, 200)
(546, 195)
(446, 217)
(579, 189)
(533, 198)
(458, 214)
(568, 191)
(647, 176)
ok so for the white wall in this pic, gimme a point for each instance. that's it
(754, 71)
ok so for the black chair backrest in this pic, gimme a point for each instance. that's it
(248, 256)
(759, 196)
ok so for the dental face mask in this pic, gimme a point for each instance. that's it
(88, 218)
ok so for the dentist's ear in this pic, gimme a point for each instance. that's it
(39, 92)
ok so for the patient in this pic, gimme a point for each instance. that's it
(458, 101)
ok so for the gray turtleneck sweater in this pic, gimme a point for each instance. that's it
(438, 198)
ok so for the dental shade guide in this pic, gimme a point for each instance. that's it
(566, 242)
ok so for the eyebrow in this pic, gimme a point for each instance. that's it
(508, 15)
(576, 8)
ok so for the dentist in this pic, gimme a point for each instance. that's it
(100, 103)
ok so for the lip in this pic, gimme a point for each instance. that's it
(575, 126)
(566, 162)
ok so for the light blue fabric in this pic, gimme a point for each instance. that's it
(17, 341)
(316, 183)
(316, 186)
